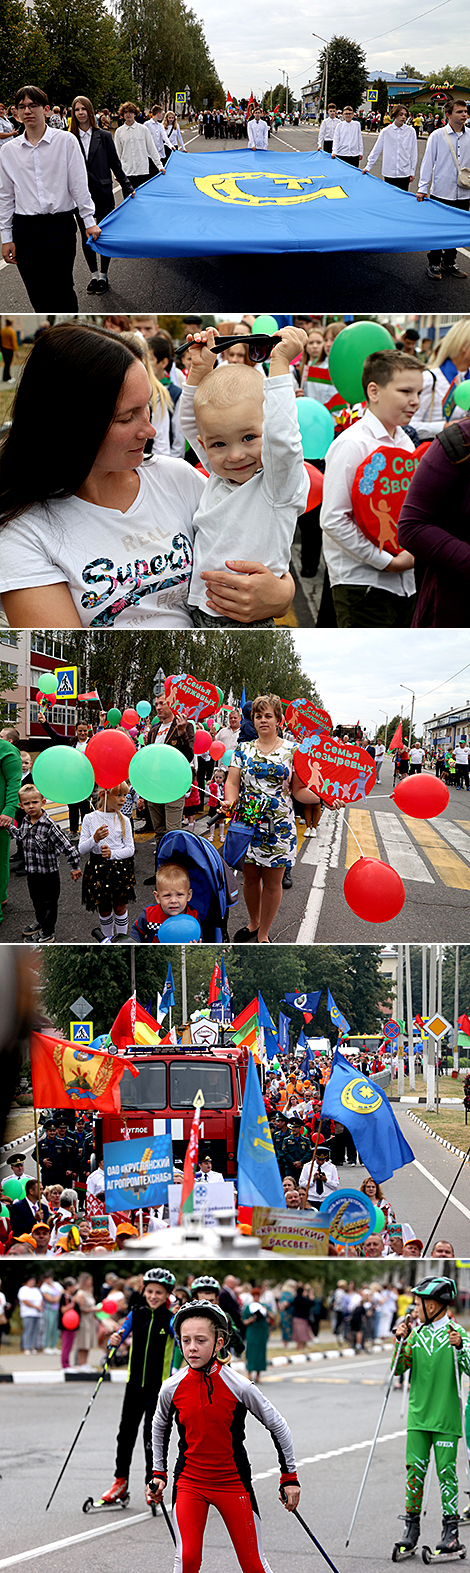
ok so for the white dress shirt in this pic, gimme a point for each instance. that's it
(347, 140)
(438, 165)
(135, 145)
(351, 558)
(258, 135)
(48, 178)
(6, 128)
(327, 130)
(160, 137)
(85, 138)
(399, 148)
(330, 1180)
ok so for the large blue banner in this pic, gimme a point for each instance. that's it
(208, 204)
(137, 1173)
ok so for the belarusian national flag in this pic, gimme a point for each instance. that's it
(397, 739)
(92, 697)
(214, 986)
(67, 1076)
(187, 1199)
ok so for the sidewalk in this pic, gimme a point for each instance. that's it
(26, 1370)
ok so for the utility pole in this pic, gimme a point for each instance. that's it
(184, 990)
(431, 1073)
(409, 1018)
(456, 1009)
(424, 991)
(400, 1046)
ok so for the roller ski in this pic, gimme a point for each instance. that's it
(449, 1547)
(117, 1497)
(406, 1547)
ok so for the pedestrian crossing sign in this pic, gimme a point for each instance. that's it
(67, 682)
(81, 1032)
(180, 98)
(372, 95)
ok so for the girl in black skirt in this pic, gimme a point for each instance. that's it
(109, 878)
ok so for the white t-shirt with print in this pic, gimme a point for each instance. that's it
(122, 569)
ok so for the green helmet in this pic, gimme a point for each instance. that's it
(203, 1308)
(205, 1282)
(160, 1275)
(442, 1289)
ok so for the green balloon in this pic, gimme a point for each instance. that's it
(160, 774)
(221, 695)
(379, 1221)
(462, 395)
(114, 716)
(63, 775)
(13, 1189)
(265, 324)
(48, 683)
(348, 353)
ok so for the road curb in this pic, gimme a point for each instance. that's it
(436, 1137)
(49, 1378)
(11, 1146)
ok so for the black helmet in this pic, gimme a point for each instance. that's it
(205, 1282)
(160, 1275)
(442, 1289)
(203, 1308)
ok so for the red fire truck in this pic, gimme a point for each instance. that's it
(160, 1100)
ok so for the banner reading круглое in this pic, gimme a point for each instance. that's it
(137, 1173)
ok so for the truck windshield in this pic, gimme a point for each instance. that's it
(214, 1081)
(145, 1091)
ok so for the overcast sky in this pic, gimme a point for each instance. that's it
(358, 672)
(252, 43)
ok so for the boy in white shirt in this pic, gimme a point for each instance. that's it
(347, 139)
(327, 130)
(370, 587)
(245, 431)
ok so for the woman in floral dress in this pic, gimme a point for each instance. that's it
(262, 773)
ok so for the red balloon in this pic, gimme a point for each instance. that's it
(373, 890)
(110, 753)
(109, 1305)
(129, 718)
(216, 749)
(316, 487)
(421, 796)
(201, 741)
(70, 1319)
(39, 696)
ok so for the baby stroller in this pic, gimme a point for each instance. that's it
(214, 884)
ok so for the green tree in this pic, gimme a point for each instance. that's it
(455, 75)
(6, 685)
(347, 71)
(86, 51)
(25, 54)
(412, 71)
(382, 90)
(167, 47)
(124, 672)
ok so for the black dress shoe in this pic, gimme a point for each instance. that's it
(287, 880)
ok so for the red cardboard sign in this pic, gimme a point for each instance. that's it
(197, 698)
(339, 772)
(304, 718)
(378, 492)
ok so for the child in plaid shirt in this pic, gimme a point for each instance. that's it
(42, 844)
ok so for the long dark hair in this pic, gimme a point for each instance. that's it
(54, 438)
(74, 126)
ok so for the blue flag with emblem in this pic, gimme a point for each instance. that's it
(363, 1108)
(225, 995)
(336, 1015)
(259, 1180)
(243, 698)
(168, 996)
(266, 1022)
(283, 1032)
(208, 204)
(309, 1002)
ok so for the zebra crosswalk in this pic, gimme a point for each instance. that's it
(424, 851)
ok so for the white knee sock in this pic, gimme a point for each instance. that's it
(121, 923)
(106, 925)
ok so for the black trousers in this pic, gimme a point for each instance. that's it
(138, 1402)
(358, 606)
(462, 776)
(74, 810)
(45, 255)
(44, 890)
(328, 146)
(7, 360)
(102, 208)
(355, 161)
(402, 181)
(446, 259)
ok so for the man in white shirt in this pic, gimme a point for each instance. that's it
(161, 140)
(398, 145)
(461, 756)
(370, 588)
(446, 150)
(327, 130)
(228, 735)
(31, 1306)
(42, 181)
(379, 758)
(416, 760)
(257, 133)
(135, 145)
(324, 1179)
(347, 139)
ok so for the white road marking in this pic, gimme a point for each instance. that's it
(442, 1188)
(457, 838)
(463, 252)
(322, 851)
(401, 851)
(72, 1540)
(318, 1458)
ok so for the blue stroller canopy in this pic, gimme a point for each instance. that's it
(210, 894)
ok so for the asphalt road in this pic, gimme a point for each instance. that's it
(332, 1414)
(433, 859)
(370, 282)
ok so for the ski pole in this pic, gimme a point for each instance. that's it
(444, 1204)
(313, 1537)
(462, 1417)
(377, 1429)
(428, 1485)
(168, 1522)
(80, 1428)
(404, 1394)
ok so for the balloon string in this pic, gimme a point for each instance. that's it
(358, 844)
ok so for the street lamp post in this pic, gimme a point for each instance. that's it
(410, 691)
(384, 712)
(270, 85)
(324, 41)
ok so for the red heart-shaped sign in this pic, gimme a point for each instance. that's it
(378, 493)
(339, 772)
(304, 717)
